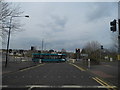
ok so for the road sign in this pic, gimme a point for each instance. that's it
(85, 55)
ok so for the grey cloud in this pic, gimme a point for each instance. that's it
(59, 21)
(27, 42)
(55, 24)
(101, 10)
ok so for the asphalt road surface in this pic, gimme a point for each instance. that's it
(57, 75)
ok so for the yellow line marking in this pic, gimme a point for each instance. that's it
(105, 83)
(78, 67)
(100, 83)
(31, 67)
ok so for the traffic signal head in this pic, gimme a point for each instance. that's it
(10, 50)
(113, 25)
(77, 50)
(101, 46)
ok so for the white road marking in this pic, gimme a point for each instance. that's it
(4, 86)
(63, 86)
(66, 86)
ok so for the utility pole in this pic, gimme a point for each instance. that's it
(42, 44)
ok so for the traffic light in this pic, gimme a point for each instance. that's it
(10, 50)
(101, 46)
(14, 53)
(77, 50)
(113, 25)
(20, 51)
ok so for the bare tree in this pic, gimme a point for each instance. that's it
(7, 10)
(93, 50)
(92, 46)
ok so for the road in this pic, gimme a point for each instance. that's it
(53, 75)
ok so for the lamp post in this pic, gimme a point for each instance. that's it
(9, 37)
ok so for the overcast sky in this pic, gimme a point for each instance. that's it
(67, 25)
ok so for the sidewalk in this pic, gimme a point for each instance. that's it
(15, 66)
(106, 70)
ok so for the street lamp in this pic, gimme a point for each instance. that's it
(9, 37)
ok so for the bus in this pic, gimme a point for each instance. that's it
(48, 57)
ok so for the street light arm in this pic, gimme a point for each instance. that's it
(27, 16)
(20, 16)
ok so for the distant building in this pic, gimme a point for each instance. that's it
(63, 50)
(33, 48)
(51, 50)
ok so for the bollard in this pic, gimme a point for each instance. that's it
(73, 60)
(111, 59)
(39, 60)
(88, 63)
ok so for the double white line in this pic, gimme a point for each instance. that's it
(104, 83)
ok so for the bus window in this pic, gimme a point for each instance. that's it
(36, 56)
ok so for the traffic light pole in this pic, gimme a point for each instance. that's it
(118, 39)
(118, 50)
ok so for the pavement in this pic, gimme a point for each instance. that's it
(17, 63)
(15, 66)
(106, 70)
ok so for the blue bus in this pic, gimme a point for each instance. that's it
(48, 57)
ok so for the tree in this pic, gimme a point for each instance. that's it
(6, 11)
(114, 47)
(93, 50)
(92, 46)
